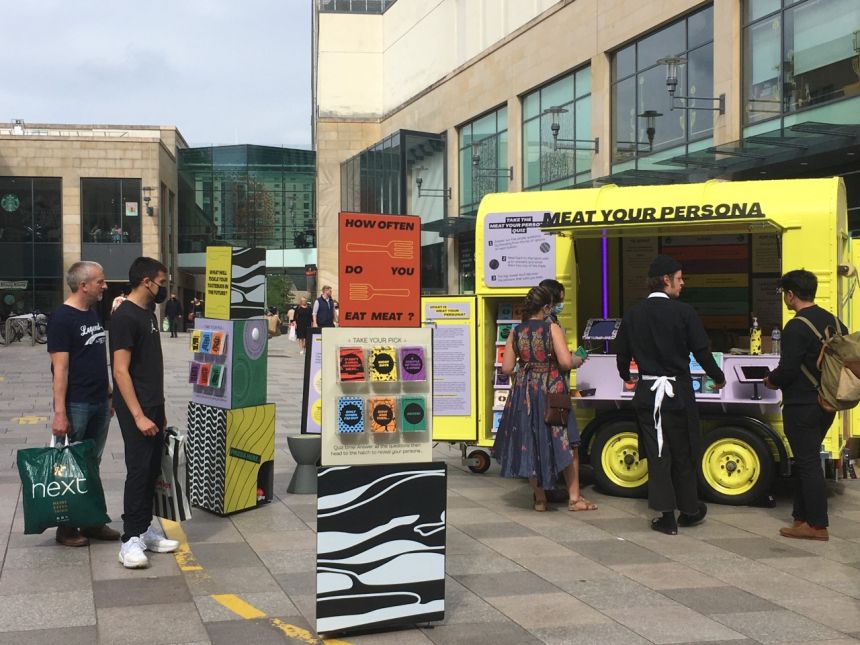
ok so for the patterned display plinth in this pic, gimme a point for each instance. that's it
(380, 546)
(230, 456)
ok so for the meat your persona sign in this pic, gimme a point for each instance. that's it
(380, 270)
(722, 211)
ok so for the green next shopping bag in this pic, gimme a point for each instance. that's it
(61, 485)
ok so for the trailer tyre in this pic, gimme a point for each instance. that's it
(736, 466)
(618, 468)
(482, 462)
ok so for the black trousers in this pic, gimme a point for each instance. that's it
(672, 479)
(805, 427)
(142, 464)
(174, 324)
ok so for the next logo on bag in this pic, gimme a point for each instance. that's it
(60, 488)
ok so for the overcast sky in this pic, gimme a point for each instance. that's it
(222, 71)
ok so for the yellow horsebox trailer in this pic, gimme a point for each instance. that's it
(734, 240)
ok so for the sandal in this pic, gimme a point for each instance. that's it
(539, 505)
(580, 504)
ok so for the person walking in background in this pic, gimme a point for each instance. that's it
(173, 312)
(303, 319)
(660, 333)
(804, 420)
(525, 445)
(76, 343)
(138, 373)
(324, 309)
(196, 311)
(120, 298)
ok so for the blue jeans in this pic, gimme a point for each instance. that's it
(89, 421)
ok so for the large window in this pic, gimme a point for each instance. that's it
(31, 248)
(547, 166)
(799, 53)
(246, 196)
(483, 159)
(355, 6)
(639, 85)
(110, 211)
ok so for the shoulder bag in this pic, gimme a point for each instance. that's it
(557, 403)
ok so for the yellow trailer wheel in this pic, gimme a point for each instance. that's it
(618, 467)
(736, 466)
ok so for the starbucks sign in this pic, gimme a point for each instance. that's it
(10, 202)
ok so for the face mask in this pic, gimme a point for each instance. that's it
(557, 309)
(161, 295)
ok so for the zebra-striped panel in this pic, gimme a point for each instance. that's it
(207, 448)
(247, 283)
(380, 546)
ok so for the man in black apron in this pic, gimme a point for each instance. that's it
(660, 333)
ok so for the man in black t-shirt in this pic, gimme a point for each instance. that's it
(804, 421)
(138, 373)
(76, 343)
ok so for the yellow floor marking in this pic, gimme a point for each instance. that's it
(184, 558)
(2, 378)
(186, 561)
(238, 606)
(29, 421)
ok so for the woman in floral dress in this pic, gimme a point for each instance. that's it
(525, 445)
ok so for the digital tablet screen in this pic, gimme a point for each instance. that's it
(755, 372)
(602, 329)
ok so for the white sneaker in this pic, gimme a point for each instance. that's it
(131, 554)
(155, 541)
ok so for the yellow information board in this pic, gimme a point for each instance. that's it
(219, 261)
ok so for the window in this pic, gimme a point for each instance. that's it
(639, 85)
(31, 250)
(110, 211)
(548, 166)
(483, 159)
(799, 53)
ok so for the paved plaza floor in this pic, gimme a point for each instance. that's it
(514, 577)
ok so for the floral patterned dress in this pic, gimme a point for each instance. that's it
(525, 445)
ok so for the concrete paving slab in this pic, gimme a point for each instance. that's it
(104, 563)
(215, 555)
(298, 583)
(230, 580)
(827, 573)
(618, 593)
(597, 634)
(153, 624)
(461, 564)
(141, 591)
(497, 530)
(546, 610)
(61, 635)
(506, 584)
(49, 556)
(776, 626)
(259, 631)
(673, 625)
(46, 610)
(719, 600)
(756, 548)
(842, 614)
(464, 606)
(665, 575)
(33, 581)
(617, 551)
(501, 633)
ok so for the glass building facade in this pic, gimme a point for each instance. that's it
(246, 196)
(483, 159)
(800, 55)
(355, 6)
(549, 165)
(639, 85)
(31, 244)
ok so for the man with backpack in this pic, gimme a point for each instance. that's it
(804, 419)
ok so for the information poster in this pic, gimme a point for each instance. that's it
(452, 364)
(765, 254)
(517, 253)
(312, 402)
(376, 396)
(219, 265)
(379, 270)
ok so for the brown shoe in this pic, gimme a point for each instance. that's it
(804, 532)
(103, 532)
(70, 536)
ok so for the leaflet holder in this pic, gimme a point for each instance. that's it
(754, 375)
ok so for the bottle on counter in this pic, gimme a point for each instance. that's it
(755, 338)
(775, 340)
